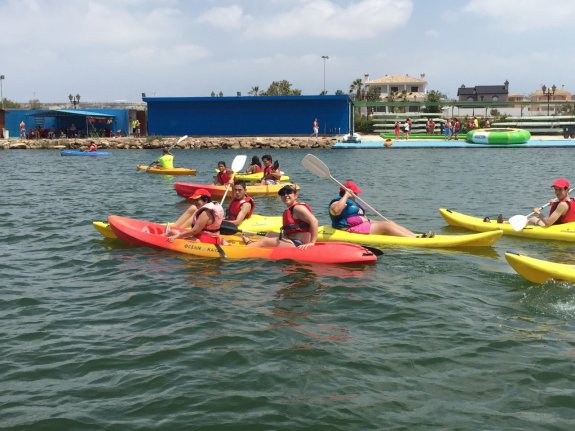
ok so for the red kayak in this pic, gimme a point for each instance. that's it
(187, 189)
(149, 234)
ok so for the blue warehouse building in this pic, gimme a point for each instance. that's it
(248, 115)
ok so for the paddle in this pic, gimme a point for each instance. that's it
(169, 149)
(237, 165)
(319, 168)
(228, 228)
(519, 221)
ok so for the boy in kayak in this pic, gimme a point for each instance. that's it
(562, 208)
(224, 176)
(206, 221)
(166, 161)
(242, 206)
(272, 173)
(346, 214)
(299, 224)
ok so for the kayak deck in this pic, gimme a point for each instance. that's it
(540, 271)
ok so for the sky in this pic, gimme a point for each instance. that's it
(115, 50)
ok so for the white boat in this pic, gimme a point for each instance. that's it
(351, 138)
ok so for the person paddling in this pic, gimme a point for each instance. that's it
(300, 227)
(224, 176)
(206, 221)
(346, 214)
(562, 208)
(166, 161)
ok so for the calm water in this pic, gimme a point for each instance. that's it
(100, 336)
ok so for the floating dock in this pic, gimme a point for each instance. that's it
(375, 144)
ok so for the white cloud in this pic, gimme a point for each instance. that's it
(231, 17)
(523, 15)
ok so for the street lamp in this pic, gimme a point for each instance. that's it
(1, 92)
(549, 92)
(325, 57)
(75, 100)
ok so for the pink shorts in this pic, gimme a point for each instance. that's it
(363, 228)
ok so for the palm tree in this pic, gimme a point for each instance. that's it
(255, 91)
(355, 89)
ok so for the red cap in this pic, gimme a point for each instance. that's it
(352, 186)
(199, 193)
(561, 182)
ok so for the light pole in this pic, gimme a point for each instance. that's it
(75, 100)
(1, 92)
(549, 92)
(325, 57)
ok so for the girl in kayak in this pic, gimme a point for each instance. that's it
(299, 224)
(348, 215)
(562, 208)
(205, 222)
(255, 166)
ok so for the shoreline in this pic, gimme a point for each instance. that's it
(159, 142)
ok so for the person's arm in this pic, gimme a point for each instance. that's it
(338, 206)
(203, 220)
(561, 209)
(244, 210)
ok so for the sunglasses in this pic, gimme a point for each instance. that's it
(286, 192)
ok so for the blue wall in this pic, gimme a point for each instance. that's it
(247, 116)
(15, 116)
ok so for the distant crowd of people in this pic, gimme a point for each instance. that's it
(450, 128)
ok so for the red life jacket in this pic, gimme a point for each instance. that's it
(236, 205)
(224, 177)
(268, 173)
(258, 169)
(292, 225)
(569, 216)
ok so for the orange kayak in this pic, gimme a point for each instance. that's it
(149, 234)
(217, 192)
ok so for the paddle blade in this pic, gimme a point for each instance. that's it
(182, 138)
(316, 166)
(228, 228)
(239, 162)
(518, 222)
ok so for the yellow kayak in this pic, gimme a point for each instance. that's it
(559, 232)
(256, 223)
(328, 233)
(485, 239)
(251, 178)
(539, 271)
(165, 171)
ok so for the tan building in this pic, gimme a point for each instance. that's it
(413, 88)
(546, 95)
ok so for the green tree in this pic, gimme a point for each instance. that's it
(255, 91)
(432, 100)
(339, 93)
(10, 104)
(35, 104)
(281, 88)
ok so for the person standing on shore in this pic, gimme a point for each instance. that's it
(397, 130)
(22, 129)
(406, 128)
(456, 129)
(315, 128)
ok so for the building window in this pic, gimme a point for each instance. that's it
(494, 98)
(394, 89)
(414, 89)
